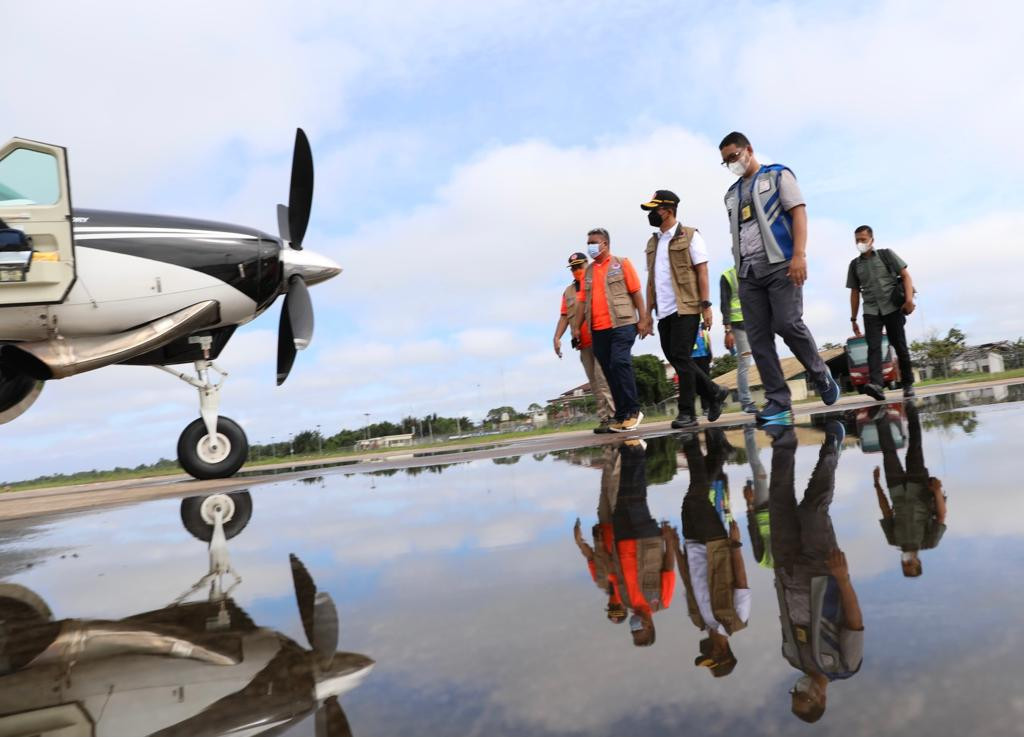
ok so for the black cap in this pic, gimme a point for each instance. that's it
(577, 259)
(662, 198)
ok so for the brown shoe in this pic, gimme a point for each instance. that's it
(629, 424)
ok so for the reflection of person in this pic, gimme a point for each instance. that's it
(876, 274)
(644, 556)
(768, 219)
(916, 518)
(572, 300)
(601, 557)
(736, 336)
(710, 559)
(755, 493)
(679, 291)
(613, 308)
(822, 626)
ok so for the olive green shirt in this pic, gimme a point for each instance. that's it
(869, 274)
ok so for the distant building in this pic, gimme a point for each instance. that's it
(794, 372)
(987, 358)
(385, 441)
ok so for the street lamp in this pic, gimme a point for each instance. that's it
(319, 439)
(273, 450)
(367, 416)
(291, 448)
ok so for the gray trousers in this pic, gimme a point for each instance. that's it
(773, 305)
(598, 384)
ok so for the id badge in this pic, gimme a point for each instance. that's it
(746, 213)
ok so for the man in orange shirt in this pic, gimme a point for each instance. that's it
(572, 302)
(644, 551)
(614, 312)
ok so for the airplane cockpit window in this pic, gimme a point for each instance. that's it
(29, 178)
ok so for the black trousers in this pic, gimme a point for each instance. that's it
(613, 350)
(700, 521)
(802, 534)
(893, 324)
(631, 518)
(678, 333)
(895, 475)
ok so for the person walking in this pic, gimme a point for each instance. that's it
(736, 335)
(678, 291)
(768, 220)
(702, 356)
(572, 302)
(882, 278)
(614, 312)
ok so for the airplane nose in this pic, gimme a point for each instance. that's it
(312, 267)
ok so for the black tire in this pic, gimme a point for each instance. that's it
(188, 453)
(192, 517)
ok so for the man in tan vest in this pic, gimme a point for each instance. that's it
(573, 299)
(679, 291)
(710, 560)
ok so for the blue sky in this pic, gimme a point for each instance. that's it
(464, 149)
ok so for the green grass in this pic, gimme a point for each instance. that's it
(975, 378)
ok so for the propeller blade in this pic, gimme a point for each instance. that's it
(285, 345)
(325, 628)
(283, 229)
(300, 312)
(331, 720)
(295, 328)
(300, 196)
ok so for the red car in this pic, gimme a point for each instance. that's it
(857, 359)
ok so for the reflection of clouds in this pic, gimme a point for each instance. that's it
(467, 589)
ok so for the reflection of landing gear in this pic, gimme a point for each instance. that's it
(209, 519)
(212, 447)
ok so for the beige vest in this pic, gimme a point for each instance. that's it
(684, 278)
(650, 557)
(620, 304)
(571, 302)
(721, 583)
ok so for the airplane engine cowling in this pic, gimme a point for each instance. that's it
(18, 392)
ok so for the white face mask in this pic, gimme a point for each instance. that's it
(739, 167)
(907, 557)
(804, 684)
(864, 247)
(594, 249)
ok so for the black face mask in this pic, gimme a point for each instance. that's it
(654, 218)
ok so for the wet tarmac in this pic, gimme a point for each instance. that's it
(453, 599)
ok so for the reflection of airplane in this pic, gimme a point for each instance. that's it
(190, 669)
(84, 289)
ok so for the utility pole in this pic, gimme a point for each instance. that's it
(367, 416)
(320, 439)
(273, 450)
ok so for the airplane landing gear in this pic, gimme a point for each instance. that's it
(211, 447)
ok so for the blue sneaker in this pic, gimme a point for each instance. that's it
(829, 389)
(774, 412)
(835, 434)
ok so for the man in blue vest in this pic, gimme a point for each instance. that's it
(768, 219)
(822, 624)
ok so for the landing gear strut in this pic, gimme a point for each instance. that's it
(211, 447)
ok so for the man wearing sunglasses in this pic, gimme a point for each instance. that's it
(768, 220)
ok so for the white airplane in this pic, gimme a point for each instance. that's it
(84, 289)
(195, 669)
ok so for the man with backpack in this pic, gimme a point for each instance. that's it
(882, 277)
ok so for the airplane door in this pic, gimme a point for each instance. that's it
(37, 256)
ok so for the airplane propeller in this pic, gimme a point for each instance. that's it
(295, 330)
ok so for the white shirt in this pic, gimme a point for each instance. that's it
(664, 292)
(697, 562)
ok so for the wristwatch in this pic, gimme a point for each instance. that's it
(705, 304)
(853, 319)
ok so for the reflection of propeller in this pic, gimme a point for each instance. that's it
(319, 617)
(331, 720)
(295, 330)
(293, 219)
(320, 623)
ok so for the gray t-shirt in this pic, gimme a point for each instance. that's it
(751, 244)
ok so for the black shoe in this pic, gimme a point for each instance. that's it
(773, 412)
(684, 421)
(908, 392)
(875, 392)
(717, 403)
(604, 427)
